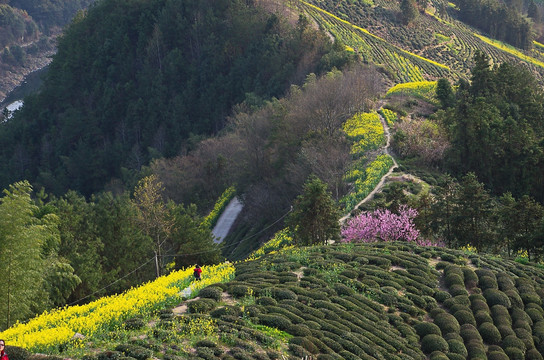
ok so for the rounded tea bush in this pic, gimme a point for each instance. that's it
(487, 282)
(497, 355)
(533, 354)
(512, 341)
(465, 317)
(476, 350)
(433, 342)
(200, 306)
(482, 316)
(469, 333)
(211, 292)
(277, 321)
(342, 289)
(497, 297)
(514, 353)
(17, 353)
(438, 355)
(490, 334)
(458, 347)
(425, 328)
(515, 299)
(471, 279)
(505, 330)
(477, 305)
(441, 296)
(453, 279)
(458, 289)
(462, 300)
(266, 301)
(447, 323)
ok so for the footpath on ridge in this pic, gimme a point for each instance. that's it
(382, 180)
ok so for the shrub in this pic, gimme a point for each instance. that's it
(299, 330)
(134, 351)
(305, 343)
(497, 297)
(438, 355)
(526, 337)
(453, 279)
(342, 289)
(490, 334)
(277, 321)
(17, 353)
(534, 314)
(458, 289)
(482, 316)
(200, 306)
(514, 353)
(133, 323)
(425, 328)
(211, 292)
(479, 305)
(512, 341)
(352, 274)
(515, 299)
(458, 347)
(454, 356)
(433, 342)
(239, 291)
(476, 350)
(469, 332)
(500, 315)
(441, 296)
(530, 297)
(462, 300)
(497, 355)
(465, 317)
(266, 300)
(447, 323)
(471, 279)
(533, 354)
(226, 310)
(505, 330)
(488, 282)
(282, 294)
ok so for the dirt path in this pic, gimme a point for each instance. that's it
(382, 180)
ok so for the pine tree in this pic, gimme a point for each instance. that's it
(409, 11)
(315, 215)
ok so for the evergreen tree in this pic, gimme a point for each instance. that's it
(409, 11)
(444, 93)
(472, 219)
(315, 215)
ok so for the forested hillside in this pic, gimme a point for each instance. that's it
(147, 80)
(27, 32)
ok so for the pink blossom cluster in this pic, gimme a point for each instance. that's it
(382, 225)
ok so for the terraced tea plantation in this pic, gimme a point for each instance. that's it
(354, 301)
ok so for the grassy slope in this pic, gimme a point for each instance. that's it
(365, 301)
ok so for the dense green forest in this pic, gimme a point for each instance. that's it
(148, 78)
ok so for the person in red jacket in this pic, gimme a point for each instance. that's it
(3, 355)
(196, 272)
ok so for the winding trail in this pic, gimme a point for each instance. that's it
(382, 180)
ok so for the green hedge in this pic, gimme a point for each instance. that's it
(433, 342)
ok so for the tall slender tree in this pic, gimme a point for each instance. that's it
(315, 215)
(22, 237)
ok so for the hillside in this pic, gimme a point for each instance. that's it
(28, 32)
(350, 301)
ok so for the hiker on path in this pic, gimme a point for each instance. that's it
(3, 355)
(196, 272)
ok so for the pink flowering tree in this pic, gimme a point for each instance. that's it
(382, 225)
